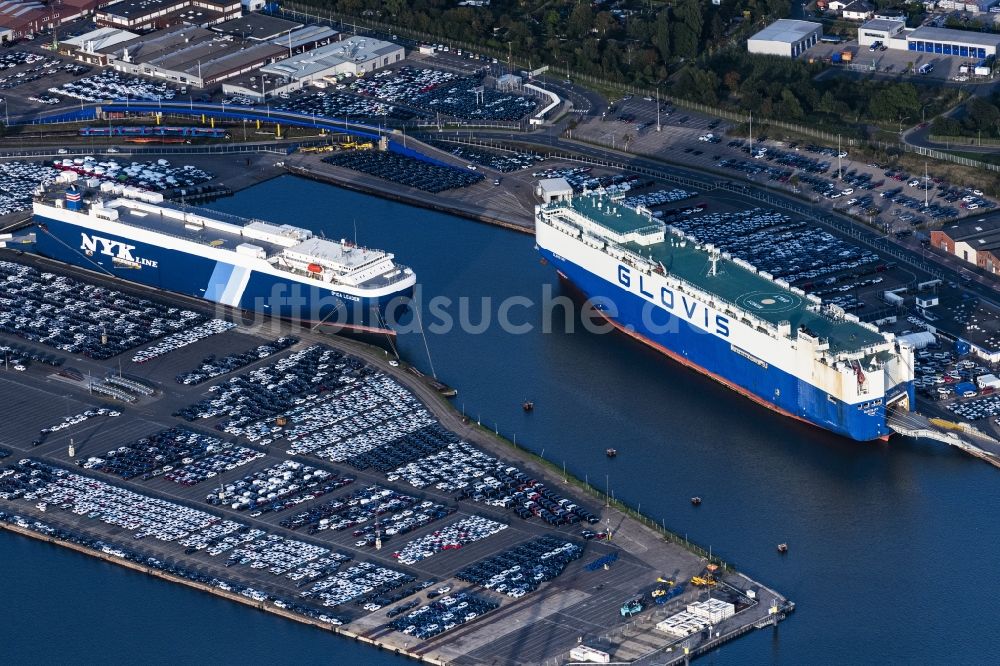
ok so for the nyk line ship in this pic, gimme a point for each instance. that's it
(278, 270)
(719, 315)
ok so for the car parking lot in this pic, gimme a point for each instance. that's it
(807, 257)
(183, 338)
(82, 318)
(504, 162)
(520, 570)
(336, 104)
(18, 182)
(319, 574)
(443, 614)
(156, 175)
(212, 367)
(447, 93)
(111, 85)
(180, 455)
(406, 170)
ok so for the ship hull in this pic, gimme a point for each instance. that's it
(168, 265)
(764, 383)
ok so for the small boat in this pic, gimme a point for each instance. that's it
(696, 501)
(782, 548)
(611, 453)
(528, 406)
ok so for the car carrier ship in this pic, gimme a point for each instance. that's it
(278, 270)
(716, 313)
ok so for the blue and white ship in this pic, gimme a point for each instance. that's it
(277, 270)
(717, 314)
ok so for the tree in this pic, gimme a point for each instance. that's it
(661, 35)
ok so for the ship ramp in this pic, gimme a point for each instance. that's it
(959, 435)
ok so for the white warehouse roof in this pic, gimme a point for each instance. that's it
(789, 31)
(955, 36)
(101, 38)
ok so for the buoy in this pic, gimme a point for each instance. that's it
(314, 268)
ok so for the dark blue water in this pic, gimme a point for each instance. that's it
(891, 544)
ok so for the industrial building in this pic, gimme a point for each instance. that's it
(23, 18)
(945, 41)
(258, 27)
(976, 242)
(937, 41)
(972, 323)
(786, 37)
(351, 57)
(95, 47)
(884, 32)
(191, 56)
(144, 15)
(307, 38)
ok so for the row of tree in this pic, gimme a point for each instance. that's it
(635, 41)
(696, 47)
(980, 117)
(783, 88)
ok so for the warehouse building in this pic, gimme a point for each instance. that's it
(258, 27)
(191, 56)
(307, 38)
(944, 41)
(972, 323)
(890, 33)
(351, 57)
(976, 242)
(22, 18)
(95, 47)
(786, 37)
(144, 15)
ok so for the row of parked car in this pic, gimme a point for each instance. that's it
(443, 614)
(277, 487)
(521, 569)
(504, 162)
(212, 367)
(135, 513)
(249, 399)
(18, 182)
(450, 537)
(182, 339)
(195, 457)
(112, 85)
(405, 170)
(471, 473)
(774, 242)
(142, 557)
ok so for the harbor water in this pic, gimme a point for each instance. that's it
(886, 540)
